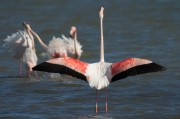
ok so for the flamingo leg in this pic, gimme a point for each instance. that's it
(96, 101)
(28, 73)
(20, 68)
(106, 106)
(36, 74)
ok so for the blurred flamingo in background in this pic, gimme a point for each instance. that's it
(100, 74)
(61, 47)
(21, 46)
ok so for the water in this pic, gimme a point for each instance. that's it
(143, 28)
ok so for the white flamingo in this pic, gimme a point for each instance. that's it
(21, 46)
(61, 47)
(100, 74)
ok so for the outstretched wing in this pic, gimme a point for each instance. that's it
(65, 65)
(132, 67)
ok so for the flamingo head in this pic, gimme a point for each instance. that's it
(72, 31)
(27, 25)
(101, 14)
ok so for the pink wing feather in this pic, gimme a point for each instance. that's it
(71, 63)
(65, 65)
(132, 67)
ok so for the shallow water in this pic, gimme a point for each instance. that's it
(144, 29)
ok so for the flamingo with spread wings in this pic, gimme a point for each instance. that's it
(99, 75)
(21, 46)
(61, 47)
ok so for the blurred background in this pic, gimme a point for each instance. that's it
(147, 29)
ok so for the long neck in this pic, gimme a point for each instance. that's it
(39, 39)
(27, 34)
(75, 45)
(101, 42)
(32, 39)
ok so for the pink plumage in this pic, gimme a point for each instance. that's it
(95, 72)
(71, 63)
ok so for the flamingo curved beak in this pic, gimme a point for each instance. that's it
(72, 31)
(26, 24)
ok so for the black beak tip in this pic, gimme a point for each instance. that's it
(70, 36)
(23, 23)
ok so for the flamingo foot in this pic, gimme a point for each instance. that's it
(106, 108)
(96, 108)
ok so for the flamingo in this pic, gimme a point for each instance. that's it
(61, 47)
(99, 75)
(21, 46)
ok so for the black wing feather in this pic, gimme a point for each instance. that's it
(56, 68)
(141, 69)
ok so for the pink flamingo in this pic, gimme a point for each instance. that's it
(21, 46)
(61, 47)
(100, 74)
